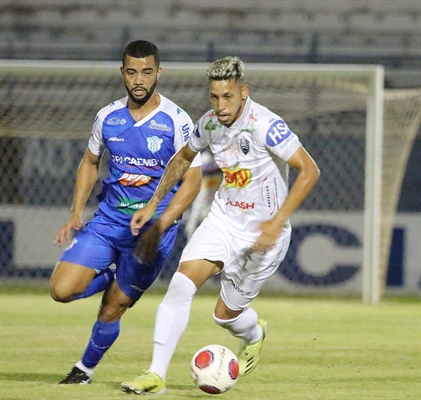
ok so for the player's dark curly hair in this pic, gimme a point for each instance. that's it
(141, 49)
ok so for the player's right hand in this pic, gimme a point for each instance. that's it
(139, 218)
(66, 232)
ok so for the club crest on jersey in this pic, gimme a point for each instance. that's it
(244, 146)
(154, 143)
(277, 133)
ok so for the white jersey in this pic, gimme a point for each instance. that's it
(252, 155)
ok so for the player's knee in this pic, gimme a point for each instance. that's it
(60, 294)
(180, 290)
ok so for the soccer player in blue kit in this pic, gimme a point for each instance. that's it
(141, 132)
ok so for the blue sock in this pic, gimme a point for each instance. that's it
(98, 284)
(103, 336)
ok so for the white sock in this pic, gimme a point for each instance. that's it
(88, 371)
(172, 318)
(245, 326)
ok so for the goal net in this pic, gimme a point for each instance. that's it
(359, 134)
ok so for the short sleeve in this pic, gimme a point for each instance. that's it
(196, 141)
(182, 136)
(280, 140)
(96, 144)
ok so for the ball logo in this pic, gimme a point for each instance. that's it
(277, 133)
(234, 369)
(204, 359)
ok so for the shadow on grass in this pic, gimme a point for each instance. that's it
(182, 391)
(30, 377)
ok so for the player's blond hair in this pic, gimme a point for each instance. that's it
(226, 68)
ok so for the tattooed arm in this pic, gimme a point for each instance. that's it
(175, 170)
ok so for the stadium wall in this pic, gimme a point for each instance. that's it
(27, 251)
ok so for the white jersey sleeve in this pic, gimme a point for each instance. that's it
(96, 144)
(278, 138)
(198, 139)
(182, 135)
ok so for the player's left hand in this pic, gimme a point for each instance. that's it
(147, 245)
(267, 238)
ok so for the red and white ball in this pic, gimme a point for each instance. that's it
(214, 369)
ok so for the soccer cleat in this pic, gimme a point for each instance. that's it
(249, 355)
(76, 376)
(147, 383)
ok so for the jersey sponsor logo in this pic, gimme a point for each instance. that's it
(186, 131)
(160, 127)
(129, 207)
(270, 192)
(211, 126)
(239, 290)
(134, 179)
(114, 121)
(239, 178)
(277, 133)
(154, 143)
(115, 139)
(139, 162)
(244, 146)
(240, 204)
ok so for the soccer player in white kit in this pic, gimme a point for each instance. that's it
(247, 232)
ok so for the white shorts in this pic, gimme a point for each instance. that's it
(245, 271)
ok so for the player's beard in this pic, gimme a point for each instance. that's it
(141, 101)
(236, 116)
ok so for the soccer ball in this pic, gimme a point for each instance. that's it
(214, 369)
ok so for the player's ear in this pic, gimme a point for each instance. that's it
(158, 73)
(244, 92)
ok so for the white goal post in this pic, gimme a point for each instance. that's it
(342, 114)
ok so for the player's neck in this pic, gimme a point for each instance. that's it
(139, 112)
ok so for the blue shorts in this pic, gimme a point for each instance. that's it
(102, 243)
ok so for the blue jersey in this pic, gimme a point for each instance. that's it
(139, 152)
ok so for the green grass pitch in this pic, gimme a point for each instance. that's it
(319, 349)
